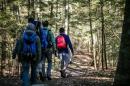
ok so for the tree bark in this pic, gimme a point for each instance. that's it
(91, 31)
(122, 77)
(104, 60)
(57, 15)
(29, 7)
(66, 6)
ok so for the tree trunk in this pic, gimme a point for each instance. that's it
(56, 15)
(51, 11)
(4, 55)
(66, 7)
(29, 7)
(91, 31)
(122, 77)
(104, 60)
(68, 32)
(33, 7)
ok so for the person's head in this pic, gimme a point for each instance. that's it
(45, 23)
(62, 30)
(37, 24)
(31, 27)
(30, 20)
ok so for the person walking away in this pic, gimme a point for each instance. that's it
(63, 42)
(48, 48)
(15, 50)
(29, 50)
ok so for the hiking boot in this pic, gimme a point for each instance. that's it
(41, 77)
(63, 74)
(49, 78)
(71, 62)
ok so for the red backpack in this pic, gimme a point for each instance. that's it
(61, 43)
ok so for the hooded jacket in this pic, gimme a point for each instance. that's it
(30, 27)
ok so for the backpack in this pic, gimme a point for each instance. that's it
(44, 37)
(61, 43)
(29, 44)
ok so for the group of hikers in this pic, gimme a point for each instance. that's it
(35, 45)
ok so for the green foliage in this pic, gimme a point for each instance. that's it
(15, 13)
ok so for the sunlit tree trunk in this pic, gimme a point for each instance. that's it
(66, 22)
(91, 31)
(19, 13)
(122, 77)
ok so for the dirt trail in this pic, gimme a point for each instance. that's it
(80, 73)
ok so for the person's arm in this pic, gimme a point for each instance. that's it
(39, 48)
(53, 40)
(70, 44)
(20, 47)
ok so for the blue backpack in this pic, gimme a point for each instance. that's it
(29, 44)
(44, 37)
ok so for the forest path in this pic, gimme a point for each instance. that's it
(80, 73)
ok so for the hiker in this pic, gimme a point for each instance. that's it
(29, 51)
(15, 50)
(48, 48)
(63, 44)
(37, 23)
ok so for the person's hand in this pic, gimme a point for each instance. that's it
(72, 53)
(55, 53)
(13, 55)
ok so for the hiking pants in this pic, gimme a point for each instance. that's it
(48, 56)
(25, 73)
(64, 59)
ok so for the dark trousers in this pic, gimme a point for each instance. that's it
(46, 56)
(25, 77)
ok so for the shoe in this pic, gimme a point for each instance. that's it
(70, 62)
(41, 77)
(63, 74)
(49, 78)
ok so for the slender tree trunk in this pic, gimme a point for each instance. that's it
(91, 31)
(103, 38)
(4, 55)
(122, 77)
(5, 4)
(19, 13)
(68, 17)
(51, 10)
(33, 7)
(56, 15)
(99, 49)
(66, 6)
(29, 7)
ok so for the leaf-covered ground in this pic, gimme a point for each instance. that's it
(80, 73)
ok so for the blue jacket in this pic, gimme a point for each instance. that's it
(68, 42)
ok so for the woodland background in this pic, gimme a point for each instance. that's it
(95, 28)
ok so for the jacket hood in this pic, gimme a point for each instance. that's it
(30, 26)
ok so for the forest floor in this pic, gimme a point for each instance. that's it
(80, 73)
